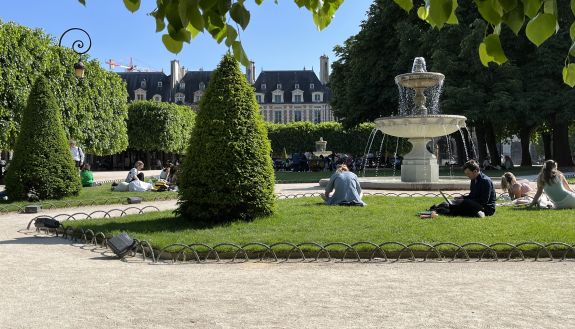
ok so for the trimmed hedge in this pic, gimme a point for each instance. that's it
(227, 173)
(154, 126)
(301, 137)
(42, 159)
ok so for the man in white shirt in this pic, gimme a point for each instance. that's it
(77, 154)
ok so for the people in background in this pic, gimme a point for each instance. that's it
(347, 188)
(87, 176)
(553, 183)
(77, 154)
(135, 173)
(480, 201)
(515, 188)
(508, 163)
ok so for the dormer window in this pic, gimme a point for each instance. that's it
(279, 86)
(143, 84)
(263, 86)
(140, 95)
(297, 86)
(160, 84)
(157, 98)
(259, 99)
(182, 85)
(202, 86)
(180, 98)
(317, 97)
(311, 86)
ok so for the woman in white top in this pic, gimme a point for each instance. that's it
(135, 173)
(555, 186)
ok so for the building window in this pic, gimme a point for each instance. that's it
(202, 86)
(182, 85)
(259, 98)
(297, 99)
(311, 86)
(279, 86)
(297, 86)
(157, 98)
(316, 116)
(317, 98)
(263, 86)
(277, 117)
(180, 98)
(297, 116)
(160, 84)
(277, 98)
(140, 95)
(143, 84)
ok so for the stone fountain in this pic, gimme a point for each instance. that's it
(419, 170)
(419, 126)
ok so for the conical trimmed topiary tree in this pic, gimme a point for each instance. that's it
(42, 161)
(227, 173)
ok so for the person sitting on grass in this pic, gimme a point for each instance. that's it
(135, 173)
(347, 188)
(516, 189)
(87, 176)
(481, 198)
(555, 186)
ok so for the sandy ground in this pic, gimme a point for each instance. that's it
(49, 282)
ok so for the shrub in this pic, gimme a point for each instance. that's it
(227, 172)
(42, 159)
(154, 126)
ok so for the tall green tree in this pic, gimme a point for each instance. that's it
(94, 110)
(227, 172)
(42, 162)
(362, 78)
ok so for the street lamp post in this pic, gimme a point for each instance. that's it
(77, 46)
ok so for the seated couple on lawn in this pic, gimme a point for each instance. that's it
(134, 182)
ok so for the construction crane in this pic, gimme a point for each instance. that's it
(129, 67)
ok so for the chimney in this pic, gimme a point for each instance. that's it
(324, 69)
(176, 72)
(251, 73)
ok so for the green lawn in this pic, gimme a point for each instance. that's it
(384, 219)
(90, 196)
(314, 177)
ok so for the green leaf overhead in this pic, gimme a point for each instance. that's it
(406, 5)
(494, 49)
(569, 75)
(531, 7)
(240, 14)
(490, 10)
(515, 18)
(439, 12)
(131, 5)
(540, 28)
(172, 45)
(572, 31)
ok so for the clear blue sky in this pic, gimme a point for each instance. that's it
(279, 37)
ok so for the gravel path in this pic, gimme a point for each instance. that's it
(48, 282)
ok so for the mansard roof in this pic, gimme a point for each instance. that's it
(288, 80)
(134, 82)
(192, 80)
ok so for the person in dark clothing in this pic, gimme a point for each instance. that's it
(480, 201)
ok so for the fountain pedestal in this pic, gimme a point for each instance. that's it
(419, 165)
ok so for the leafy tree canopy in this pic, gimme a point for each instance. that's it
(538, 20)
(185, 19)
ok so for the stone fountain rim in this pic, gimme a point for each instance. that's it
(419, 75)
(449, 116)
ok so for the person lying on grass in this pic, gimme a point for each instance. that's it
(347, 188)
